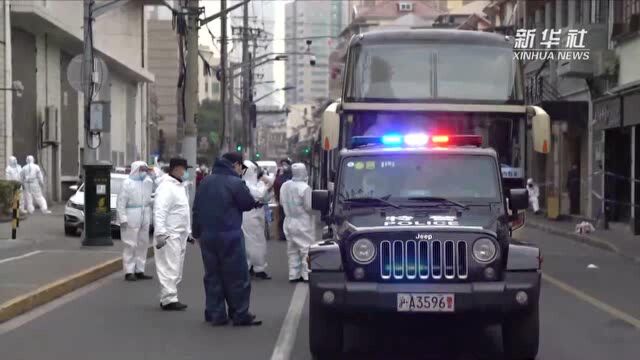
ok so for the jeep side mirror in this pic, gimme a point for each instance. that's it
(518, 199)
(320, 201)
(332, 175)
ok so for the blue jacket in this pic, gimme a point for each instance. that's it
(220, 200)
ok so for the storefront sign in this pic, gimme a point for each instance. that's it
(607, 113)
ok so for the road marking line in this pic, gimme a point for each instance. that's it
(619, 314)
(39, 311)
(20, 256)
(287, 336)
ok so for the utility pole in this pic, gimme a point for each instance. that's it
(246, 76)
(189, 147)
(225, 140)
(90, 154)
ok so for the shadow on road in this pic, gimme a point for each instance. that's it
(422, 342)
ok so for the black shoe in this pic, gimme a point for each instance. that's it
(250, 320)
(130, 277)
(262, 275)
(300, 279)
(174, 306)
(142, 276)
(219, 322)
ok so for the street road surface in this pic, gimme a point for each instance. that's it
(586, 314)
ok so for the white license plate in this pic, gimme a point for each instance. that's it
(426, 303)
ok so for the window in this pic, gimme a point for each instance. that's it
(626, 17)
(405, 7)
(579, 18)
(601, 11)
(629, 8)
(564, 20)
(390, 71)
(206, 87)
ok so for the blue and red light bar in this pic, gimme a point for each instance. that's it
(417, 140)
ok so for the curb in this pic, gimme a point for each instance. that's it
(51, 291)
(22, 304)
(585, 239)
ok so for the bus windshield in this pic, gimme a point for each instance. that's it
(423, 71)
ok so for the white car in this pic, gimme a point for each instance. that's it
(74, 209)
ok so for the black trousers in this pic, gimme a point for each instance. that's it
(281, 223)
(574, 202)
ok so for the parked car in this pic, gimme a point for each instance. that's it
(74, 209)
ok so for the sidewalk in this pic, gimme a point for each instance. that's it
(43, 264)
(615, 240)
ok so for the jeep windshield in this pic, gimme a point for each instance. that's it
(408, 179)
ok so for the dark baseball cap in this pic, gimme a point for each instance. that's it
(178, 162)
(234, 157)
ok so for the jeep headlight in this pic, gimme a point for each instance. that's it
(363, 251)
(484, 250)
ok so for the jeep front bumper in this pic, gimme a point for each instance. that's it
(476, 297)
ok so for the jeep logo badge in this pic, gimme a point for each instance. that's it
(424, 236)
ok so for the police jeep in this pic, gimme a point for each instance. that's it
(422, 231)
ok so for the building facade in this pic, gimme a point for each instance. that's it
(307, 20)
(45, 36)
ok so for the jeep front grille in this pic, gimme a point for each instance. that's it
(423, 259)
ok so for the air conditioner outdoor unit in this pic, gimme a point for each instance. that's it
(605, 63)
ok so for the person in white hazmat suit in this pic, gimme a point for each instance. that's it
(295, 196)
(33, 181)
(172, 231)
(534, 193)
(253, 223)
(13, 173)
(134, 206)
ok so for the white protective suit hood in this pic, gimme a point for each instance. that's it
(13, 162)
(30, 159)
(12, 172)
(529, 181)
(299, 172)
(135, 170)
(251, 175)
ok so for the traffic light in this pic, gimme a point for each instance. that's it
(238, 148)
(258, 155)
(307, 150)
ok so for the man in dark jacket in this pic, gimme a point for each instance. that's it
(217, 219)
(284, 175)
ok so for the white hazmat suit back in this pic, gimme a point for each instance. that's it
(134, 207)
(33, 181)
(172, 223)
(253, 222)
(295, 197)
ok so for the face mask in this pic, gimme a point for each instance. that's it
(185, 177)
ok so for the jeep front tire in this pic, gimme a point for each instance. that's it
(325, 333)
(521, 335)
